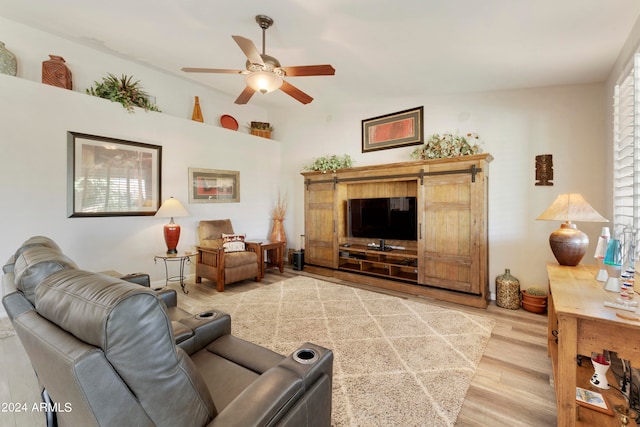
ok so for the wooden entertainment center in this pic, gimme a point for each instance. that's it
(448, 261)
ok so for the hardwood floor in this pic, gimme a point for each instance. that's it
(512, 386)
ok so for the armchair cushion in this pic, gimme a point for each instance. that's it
(233, 242)
(238, 259)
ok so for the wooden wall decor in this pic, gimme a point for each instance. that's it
(544, 169)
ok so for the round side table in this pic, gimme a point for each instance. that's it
(182, 258)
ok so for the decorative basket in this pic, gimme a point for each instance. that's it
(262, 133)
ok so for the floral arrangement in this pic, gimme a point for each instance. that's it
(280, 210)
(330, 163)
(123, 90)
(448, 145)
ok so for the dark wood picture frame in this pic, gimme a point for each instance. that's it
(213, 186)
(394, 130)
(112, 177)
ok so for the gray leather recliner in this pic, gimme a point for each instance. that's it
(105, 351)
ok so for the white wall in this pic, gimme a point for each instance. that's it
(35, 118)
(568, 122)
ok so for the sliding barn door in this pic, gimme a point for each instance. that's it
(320, 225)
(453, 228)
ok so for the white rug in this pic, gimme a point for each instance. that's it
(397, 362)
(6, 330)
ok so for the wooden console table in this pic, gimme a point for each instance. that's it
(584, 325)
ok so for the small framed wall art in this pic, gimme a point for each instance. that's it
(111, 177)
(213, 186)
(393, 130)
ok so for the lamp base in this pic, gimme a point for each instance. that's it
(602, 274)
(568, 244)
(613, 282)
(171, 237)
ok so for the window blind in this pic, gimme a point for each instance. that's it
(626, 164)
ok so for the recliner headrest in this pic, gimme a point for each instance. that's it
(43, 241)
(34, 264)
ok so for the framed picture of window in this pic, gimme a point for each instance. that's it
(112, 177)
(213, 186)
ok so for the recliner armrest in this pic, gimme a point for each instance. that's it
(291, 393)
(207, 327)
(267, 399)
(16, 304)
(169, 296)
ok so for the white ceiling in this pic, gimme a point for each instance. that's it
(378, 47)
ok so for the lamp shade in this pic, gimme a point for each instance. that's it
(571, 207)
(171, 208)
(263, 81)
(569, 244)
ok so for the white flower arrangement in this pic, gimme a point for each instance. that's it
(330, 163)
(448, 145)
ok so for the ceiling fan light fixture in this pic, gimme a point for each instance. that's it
(263, 81)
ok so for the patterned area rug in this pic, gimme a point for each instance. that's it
(397, 362)
(6, 330)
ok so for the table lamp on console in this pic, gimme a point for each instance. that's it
(171, 208)
(568, 243)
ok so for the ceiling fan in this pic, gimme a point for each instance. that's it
(264, 73)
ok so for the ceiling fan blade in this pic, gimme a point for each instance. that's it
(245, 96)
(210, 70)
(250, 50)
(296, 93)
(309, 70)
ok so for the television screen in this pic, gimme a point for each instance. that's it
(383, 218)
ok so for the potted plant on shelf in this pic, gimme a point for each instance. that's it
(262, 129)
(448, 145)
(534, 299)
(330, 163)
(123, 90)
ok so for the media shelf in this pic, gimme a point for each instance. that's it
(397, 264)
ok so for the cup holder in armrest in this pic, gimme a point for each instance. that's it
(207, 315)
(305, 356)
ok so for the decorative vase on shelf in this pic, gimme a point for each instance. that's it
(508, 291)
(277, 232)
(8, 62)
(197, 112)
(56, 73)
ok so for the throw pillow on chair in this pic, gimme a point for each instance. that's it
(233, 242)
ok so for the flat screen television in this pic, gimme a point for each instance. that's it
(393, 218)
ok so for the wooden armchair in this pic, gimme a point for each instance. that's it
(238, 261)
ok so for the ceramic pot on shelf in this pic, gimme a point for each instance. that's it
(8, 62)
(56, 73)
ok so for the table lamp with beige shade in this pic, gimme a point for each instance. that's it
(171, 208)
(568, 243)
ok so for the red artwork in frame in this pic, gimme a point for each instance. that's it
(213, 186)
(394, 130)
